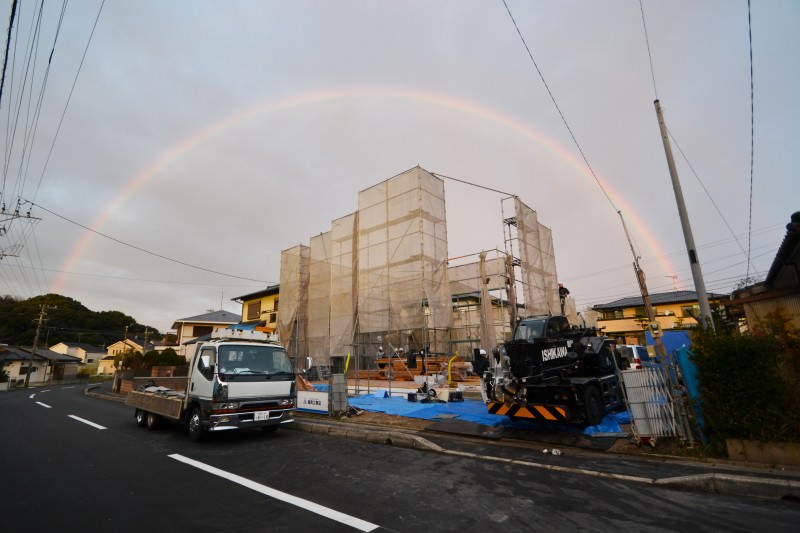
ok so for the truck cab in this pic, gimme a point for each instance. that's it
(238, 379)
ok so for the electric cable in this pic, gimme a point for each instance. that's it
(752, 136)
(154, 254)
(69, 97)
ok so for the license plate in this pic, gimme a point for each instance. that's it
(261, 415)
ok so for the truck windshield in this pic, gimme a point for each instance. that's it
(530, 329)
(251, 359)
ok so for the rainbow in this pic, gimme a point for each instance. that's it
(315, 97)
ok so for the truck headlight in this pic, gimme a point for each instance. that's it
(226, 406)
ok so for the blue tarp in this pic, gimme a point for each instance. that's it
(673, 339)
(474, 411)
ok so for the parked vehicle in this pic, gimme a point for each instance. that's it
(633, 355)
(237, 379)
(555, 372)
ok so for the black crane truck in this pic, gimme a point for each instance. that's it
(552, 371)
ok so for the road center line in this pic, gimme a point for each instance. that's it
(79, 419)
(307, 505)
(44, 405)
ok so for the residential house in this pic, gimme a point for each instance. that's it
(106, 367)
(190, 328)
(626, 318)
(87, 353)
(48, 366)
(260, 309)
(124, 346)
(780, 289)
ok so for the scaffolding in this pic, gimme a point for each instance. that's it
(381, 278)
(529, 244)
(294, 300)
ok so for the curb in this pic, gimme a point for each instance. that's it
(89, 391)
(718, 483)
(392, 438)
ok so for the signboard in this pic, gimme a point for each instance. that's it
(314, 401)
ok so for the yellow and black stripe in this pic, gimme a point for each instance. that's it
(551, 413)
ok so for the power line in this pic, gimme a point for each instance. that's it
(649, 54)
(8, 44)
(752, 151)
(563, 118)
(154, 254)
(72, 89)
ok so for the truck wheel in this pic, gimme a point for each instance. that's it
(196, 432)
(153, 421)
(141, 418)
(593, 404)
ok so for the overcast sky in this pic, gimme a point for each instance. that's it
(204, 137)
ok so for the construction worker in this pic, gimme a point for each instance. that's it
(480, 366)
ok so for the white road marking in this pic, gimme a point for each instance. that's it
(79, 419)
(44, 405)
(307, 505)
(32, 396)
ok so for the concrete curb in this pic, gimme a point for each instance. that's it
(89, 391)
(715, 482)
(393, 438)
(718, 483)
(735, 485)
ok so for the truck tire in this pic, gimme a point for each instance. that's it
(141, 418)
(593, 404)
(153, 421)
(195, 425)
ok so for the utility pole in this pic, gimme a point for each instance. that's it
(697, 274)
(42, 313)
(655, 329)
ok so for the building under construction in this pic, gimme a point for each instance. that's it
(381, 278)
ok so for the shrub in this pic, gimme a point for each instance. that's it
(744, 393)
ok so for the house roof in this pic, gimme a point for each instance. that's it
(90, 348)
(213, 317)
(269, 291)
(23, 353)
(785, 270)
(661, 298)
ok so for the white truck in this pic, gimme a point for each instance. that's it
(237, 379)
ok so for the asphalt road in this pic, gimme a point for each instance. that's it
(71, 462)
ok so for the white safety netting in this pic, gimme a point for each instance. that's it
(538, 262)
(481, 314)
(402, 249)
(319, 298)
(293, 298)
(344, 288)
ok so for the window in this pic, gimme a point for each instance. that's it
(273, 317)
(199, 331)
(254, 310)
(205, 362)
(275, 305)
(612, 314)
(690, 311)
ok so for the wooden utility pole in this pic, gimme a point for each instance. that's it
(42, 313)
(652, 323)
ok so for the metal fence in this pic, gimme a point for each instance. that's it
(651, 405)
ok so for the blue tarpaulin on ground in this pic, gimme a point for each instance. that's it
(474, 411)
